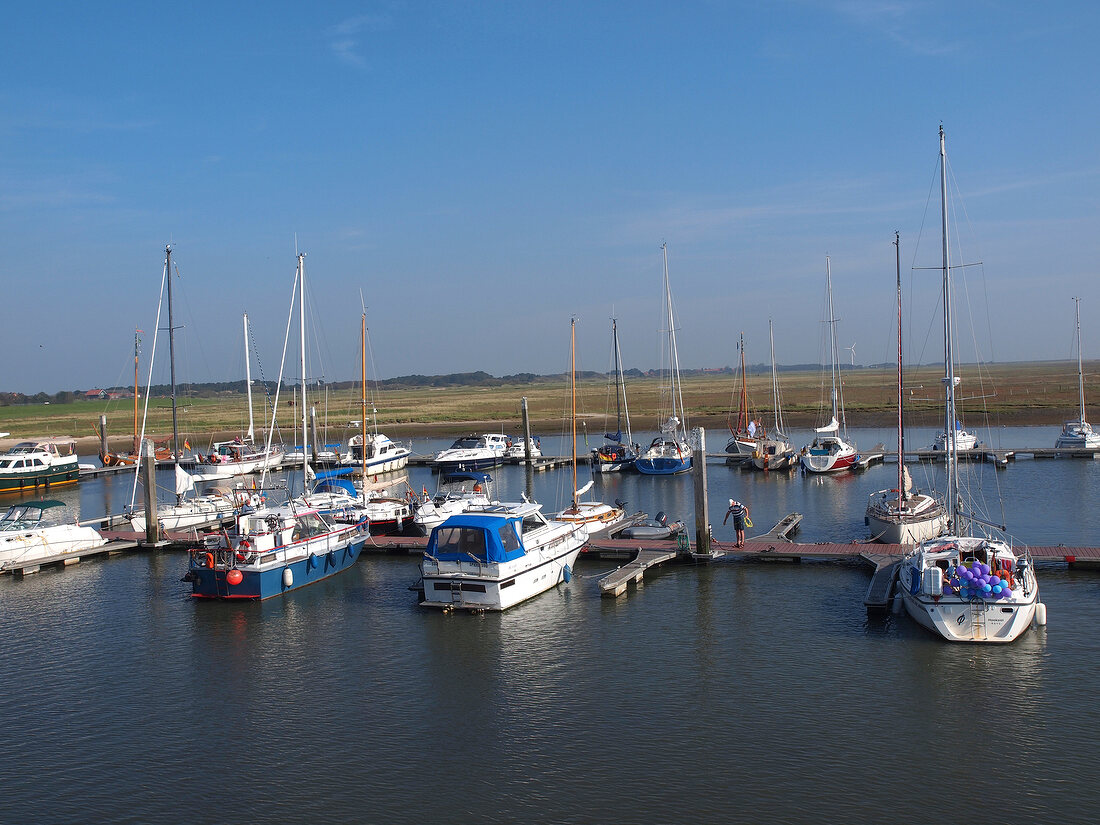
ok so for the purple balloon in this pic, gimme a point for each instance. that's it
(985, 569)
(994, 580)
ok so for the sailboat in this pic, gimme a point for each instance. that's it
(373, 452)
(600, 518)
(830, 451)
(617, 456)
(271, 550)
(162, 451)
(670, 452)
(774, 451)
(964, 587)
(1079, 434)
(902, 515)
(185, 511)
(242, 455)
(742, 443)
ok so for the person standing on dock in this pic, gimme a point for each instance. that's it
(740, 513)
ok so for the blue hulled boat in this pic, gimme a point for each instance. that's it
(273, 550)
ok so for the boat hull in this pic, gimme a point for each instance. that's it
(486, 462)
(827, 463)
(663, 466)
(211, 583)
(46, 477)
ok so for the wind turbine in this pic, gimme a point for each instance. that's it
(852, 349)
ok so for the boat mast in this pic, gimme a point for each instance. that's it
(949, 379)
(677, 396)
(619, 389)
(743, 406)
(248, 381)
(573, 396)
(363, 410)
(622, 384)
(172, 362)
(901, 422)
(1080, 370)
(779, 428)
(302, 344)
(137, 440)
(834, 365)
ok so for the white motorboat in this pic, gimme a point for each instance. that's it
(24, 539)
(964, 440)
(498, 556)
(45, 462)
(902, 515)
(381, 456)
(457, 493)
(1079, 434)
(473, 452)
(966, 588)
(671, 452)
(519, 451)
(774, 451)
(831, 451)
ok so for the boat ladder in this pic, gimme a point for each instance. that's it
(456, 592)
(977, 619)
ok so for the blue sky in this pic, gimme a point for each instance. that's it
(483, 171)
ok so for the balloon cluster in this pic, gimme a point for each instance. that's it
(978, 582)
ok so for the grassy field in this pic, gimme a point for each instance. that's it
(1019, 393)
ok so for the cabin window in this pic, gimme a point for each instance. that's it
(310, 524)
(461, 541)
(5, 464)
(531, 523)
(38, 462)
(509, 538)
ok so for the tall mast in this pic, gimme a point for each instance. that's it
(172, 361)
(677, 397)
(901, 422)
(248, 381)
(743, 407)
(363, 411)
(618, 380)
(137, 344)
(621, 382)
(1080, 369)
(779, 428)
(302, 344)
(573, 395)
(949, 379)
(832, 334)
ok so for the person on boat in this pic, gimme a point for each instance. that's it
(740, 513)
(752, 428)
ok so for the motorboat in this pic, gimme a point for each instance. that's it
(24, 539)
(42, 463)
(831, 451)
(495, 557)
(966, 587)
(272, 550)
(381, 455)
(671, 452)
(903, 515)
(518, 450)
(473, 452)
(1079, 434)
(963, 440)
(457, 493)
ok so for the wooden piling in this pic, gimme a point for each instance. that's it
(149, 475)
(699, 473)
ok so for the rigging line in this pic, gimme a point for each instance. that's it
(148, 384)
(279, 385)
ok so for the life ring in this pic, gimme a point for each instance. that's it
(242, 550)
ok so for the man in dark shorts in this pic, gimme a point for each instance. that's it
(739, 512)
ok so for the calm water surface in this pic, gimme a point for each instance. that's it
(728, 692)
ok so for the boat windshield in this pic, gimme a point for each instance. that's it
(20, 516)
(461, 541)
(466, 443)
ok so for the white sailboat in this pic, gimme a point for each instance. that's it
(743, 434)
(670, 452)
(965, 587)
(774, 451)
(830, 451)
(599, 518)
(903, 515)
(1079, 434)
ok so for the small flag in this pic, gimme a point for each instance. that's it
(186, 445)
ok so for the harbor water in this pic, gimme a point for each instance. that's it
(732, 691)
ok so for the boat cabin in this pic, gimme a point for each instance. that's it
(27, 514)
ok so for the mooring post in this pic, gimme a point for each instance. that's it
(102, 436)
(699, 465)
(526, 430)
(313, 433)
(149, 473)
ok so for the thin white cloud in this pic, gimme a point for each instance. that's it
(345, 37)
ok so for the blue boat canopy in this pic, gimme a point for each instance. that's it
(616, 437)
(336, 485)
(339, 471)
(469, 537)
(466, 476)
